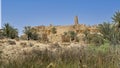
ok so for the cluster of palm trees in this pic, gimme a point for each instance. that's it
(9, 32)
(108, 32)
(111, 31)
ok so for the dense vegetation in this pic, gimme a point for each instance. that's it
(9, 31)
(31, 33)
(109, 32)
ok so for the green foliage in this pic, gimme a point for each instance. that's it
(1, 35)
(31, 33)
(116, 19)
(27, 30)
(105, 29)
(65, 33)
(53, 30)
(109, 33)
(96, 39)
(104, 48)
(72, 34)
(34, 36)
(9, 31)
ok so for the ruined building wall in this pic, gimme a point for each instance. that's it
(78, 28)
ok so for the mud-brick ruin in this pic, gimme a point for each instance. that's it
(79, 29)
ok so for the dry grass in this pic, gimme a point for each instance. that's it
(73, 56)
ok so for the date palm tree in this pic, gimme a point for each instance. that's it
(31, 33)
(108, 33)
(116, 19)
(28, 32)
(9, 31)
(105, 30)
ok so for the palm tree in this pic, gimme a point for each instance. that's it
(6, 29)
(105, 30)
(116, 19)
(108, 33)
(13, 33)
(28, 32)
(31, 33)
(9, 31)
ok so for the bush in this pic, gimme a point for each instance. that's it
(53, 30)
(96, 39)
(72, 35)
(31, 33)
(35, 36)
(104, 48)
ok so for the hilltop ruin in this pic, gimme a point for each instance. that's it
(79, 29)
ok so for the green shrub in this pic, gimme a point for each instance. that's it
(104, 48)
(53, 30)
(72, 35)
(31, 33)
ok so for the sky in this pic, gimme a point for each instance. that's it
(0, 14)
(21, 13)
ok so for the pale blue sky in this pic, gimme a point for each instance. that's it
(20, 13)
(0, 14)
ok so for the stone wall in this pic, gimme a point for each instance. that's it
(78, 28)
